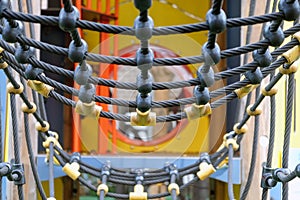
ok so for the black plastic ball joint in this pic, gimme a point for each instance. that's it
(264, 59)
(211, 56)
(143, 5)
(201, 95)
(216, 23)
(276, 37)
(206, 78)
(291, 10)
(143, 102)
(255, 77)
(86, 93)
(144, 85)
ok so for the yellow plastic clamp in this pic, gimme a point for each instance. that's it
(40, 87)
(195, 111)
(242, 130)
(205, 170)
(3, 65)
(139, 118)
(49, 139)
(271, 92)
(72, 170)
(25, 108)
(257, 111)
(292, 69)
(297, 36)
(10, 88)
(292, 54)
(88, 109)
(174, 186)
(232, 141)
(40, 128)
(243, 91)
(138, 193)
(102, 187)
(1, 50)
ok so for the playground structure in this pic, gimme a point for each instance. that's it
(92, 101)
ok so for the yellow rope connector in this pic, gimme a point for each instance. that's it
(72, 170)
(271, 92)
(243, 91)
(25, 108)
(3, 65)
(54, 139)
(206, 170)
(40, 87)
(11, 89)
(255, 112)
(40, 128)
(227, 141)
(102, 187)
(292, 54)
(138, 193)
(174, 186)
(292, 69)
(139, 118)
(195, 111)
(88, 109)
(242, 130)
(297, 36)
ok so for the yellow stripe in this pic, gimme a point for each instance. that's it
(6, 137)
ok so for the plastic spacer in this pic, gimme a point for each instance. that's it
(292, 54)
(242, 130)
(174, 186)
(40, 87)
(72, 170)
(102, 187)
(50, 139)
(40, 128)
(255, 112)
(290, 70)
(88, 109)
(271, 92)
(205, 170)
(232, 141)
(11, 89)
(297, 36)
(25, 108)
(195, 111)
(139, 118)
(3, 65)
(243, 91)
(138, 193)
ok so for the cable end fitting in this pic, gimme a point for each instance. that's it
(140, 118)
(88, 109)
(196, 111)
(138, 193)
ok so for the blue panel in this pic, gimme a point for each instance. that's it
(139, 162)
(3, 116)
(275, 192)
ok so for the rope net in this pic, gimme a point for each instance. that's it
(274, 64)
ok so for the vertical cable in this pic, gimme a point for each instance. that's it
(16, 139)
(254, 153)
(230, 172)
(287, 134)
(51, 170)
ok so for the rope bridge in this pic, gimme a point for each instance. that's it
(21, 58)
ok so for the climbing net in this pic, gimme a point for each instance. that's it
(22, 59)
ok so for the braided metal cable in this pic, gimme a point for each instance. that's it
(287, 131)
(230, 172)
